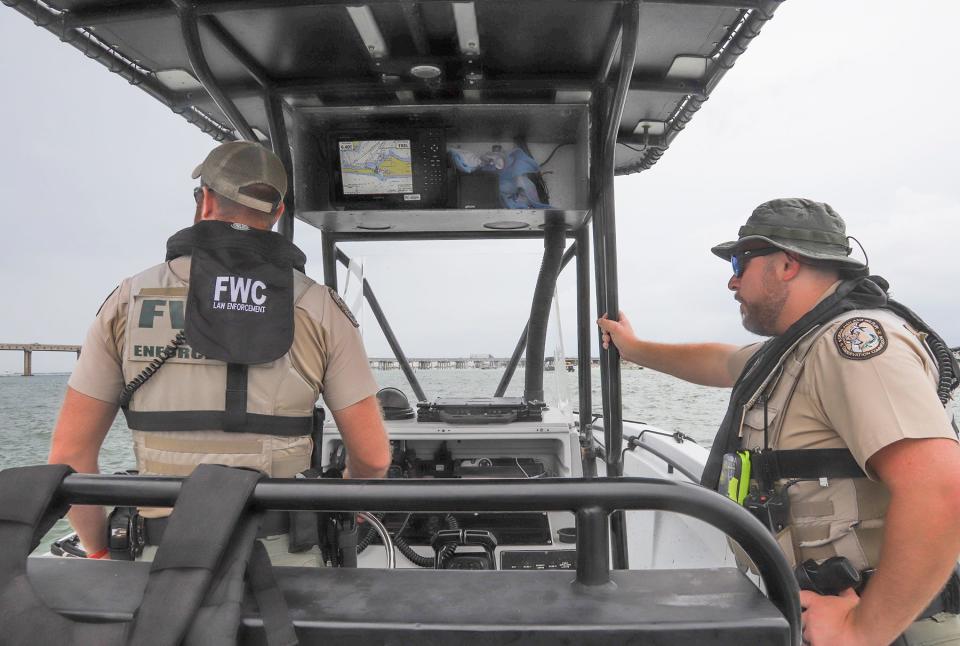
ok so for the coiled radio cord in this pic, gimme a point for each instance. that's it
(167, 353)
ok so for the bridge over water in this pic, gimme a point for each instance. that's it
(29, 348)
(377, 363)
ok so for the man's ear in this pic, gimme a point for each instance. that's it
(791, 266)
(207, 207)
(276, 216)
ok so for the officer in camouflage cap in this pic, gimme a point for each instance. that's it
(849, 369)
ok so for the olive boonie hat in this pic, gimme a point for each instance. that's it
(807, 228)
(232, 167)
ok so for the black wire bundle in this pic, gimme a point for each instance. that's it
(412, 555)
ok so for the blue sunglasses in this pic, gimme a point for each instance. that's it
(740, 259)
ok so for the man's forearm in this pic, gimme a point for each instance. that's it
(79, 432)
(700, 363)
(361, 471)
(368, 449)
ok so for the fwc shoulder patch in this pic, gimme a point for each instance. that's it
(860, 338)
(343, 307)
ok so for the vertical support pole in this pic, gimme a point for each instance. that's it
(27, 363)
(584, 369)
(593, 553)
(329, 259)
(281, 148)
(607, 123)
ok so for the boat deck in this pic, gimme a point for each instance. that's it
(335, 606)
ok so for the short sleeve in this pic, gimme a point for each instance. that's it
(874, 401)
(738, 360)
(328, 350)
(98, 372)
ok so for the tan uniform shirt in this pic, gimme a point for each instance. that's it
(862, 401)
(327, 349)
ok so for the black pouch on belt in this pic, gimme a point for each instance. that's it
(304, 529)
(125, 535)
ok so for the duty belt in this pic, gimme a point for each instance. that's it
(274, 522)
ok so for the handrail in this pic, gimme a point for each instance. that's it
(387, 332)
(590, 500)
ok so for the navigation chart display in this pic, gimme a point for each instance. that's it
(377, 167)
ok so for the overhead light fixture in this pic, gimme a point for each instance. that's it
(426, 72)
(573, 96)
(507, 225)
(366, 26)
(468, 36)
(178, 80)
(689, 68)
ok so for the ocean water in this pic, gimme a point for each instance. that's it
(29, 407)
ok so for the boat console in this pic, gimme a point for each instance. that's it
(464, 449)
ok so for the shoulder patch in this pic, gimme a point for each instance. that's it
(860, 338)
(343, 307)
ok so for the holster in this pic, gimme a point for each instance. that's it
(304, 526)
(125, 534)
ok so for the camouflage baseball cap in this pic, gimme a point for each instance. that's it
(807, 228)
(232, 167)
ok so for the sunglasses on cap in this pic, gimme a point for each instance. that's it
(740, 259)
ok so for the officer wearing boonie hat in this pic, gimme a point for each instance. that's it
(849, 370)
(807, 228)
(245, 343)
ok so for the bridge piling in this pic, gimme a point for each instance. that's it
(29, 348)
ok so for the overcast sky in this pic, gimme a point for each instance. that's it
(852, 103)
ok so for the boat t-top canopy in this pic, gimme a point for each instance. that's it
(561, 79)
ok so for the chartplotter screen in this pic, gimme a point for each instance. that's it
(376, 167)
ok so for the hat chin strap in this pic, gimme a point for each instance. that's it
(866, 259)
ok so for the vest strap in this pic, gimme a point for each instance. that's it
(235, 417)
(206, 420)
(274, 611)
(207, 513)
(805, 464)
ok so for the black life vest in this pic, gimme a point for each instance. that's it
(859, 293)
(195, 587)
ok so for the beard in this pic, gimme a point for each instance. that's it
(761, 317)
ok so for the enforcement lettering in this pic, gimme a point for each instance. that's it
(183, 352)
(860, 338)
